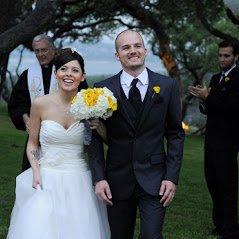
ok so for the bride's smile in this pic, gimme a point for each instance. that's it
(69, 76)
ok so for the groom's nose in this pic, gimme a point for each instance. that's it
(132, 50)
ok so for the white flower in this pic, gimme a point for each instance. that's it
(93, 103)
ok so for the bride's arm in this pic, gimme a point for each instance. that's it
(33, 152)
(100, 128)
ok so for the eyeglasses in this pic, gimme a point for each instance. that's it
(41, 51)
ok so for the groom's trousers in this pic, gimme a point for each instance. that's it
(122, 216)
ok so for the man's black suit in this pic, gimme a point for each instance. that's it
(221, 148)
(136, 161)
(20, 102)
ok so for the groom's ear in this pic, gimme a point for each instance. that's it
(117, 56)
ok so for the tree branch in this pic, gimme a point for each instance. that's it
(37, 21)
(69, 27)
(201, 16)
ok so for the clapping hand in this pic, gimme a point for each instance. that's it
(167, 191)
(199, 91)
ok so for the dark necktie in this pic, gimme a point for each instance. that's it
(222, 81)
(135, 96)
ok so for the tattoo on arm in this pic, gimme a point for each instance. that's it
(35, 154)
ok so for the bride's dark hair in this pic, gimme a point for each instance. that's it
(65, 55)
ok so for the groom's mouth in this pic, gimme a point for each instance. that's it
(133, 58)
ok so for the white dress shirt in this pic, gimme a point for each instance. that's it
(142, 84)
(227, 72)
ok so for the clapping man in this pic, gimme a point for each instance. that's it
(220, 102)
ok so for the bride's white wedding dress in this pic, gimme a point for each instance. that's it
(67, 207)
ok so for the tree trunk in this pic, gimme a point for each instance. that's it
(37, 21)
(34, 23)
(199, 8)
(167, 58)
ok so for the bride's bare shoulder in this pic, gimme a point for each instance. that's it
(43, 101)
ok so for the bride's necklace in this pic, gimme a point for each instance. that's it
(65, 110)
(63, 107)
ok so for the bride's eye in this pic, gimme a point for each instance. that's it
(75, 70)
(63, 68)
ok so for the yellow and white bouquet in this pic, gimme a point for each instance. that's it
(93, 103)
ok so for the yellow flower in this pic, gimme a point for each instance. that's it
(91, 96)
(98, 91)
(112, 104)
(74, 100)
(156, 89)
(227, 79)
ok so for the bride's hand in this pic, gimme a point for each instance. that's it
(37, 180)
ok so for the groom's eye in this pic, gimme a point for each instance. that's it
(125, 47)
(138, 45)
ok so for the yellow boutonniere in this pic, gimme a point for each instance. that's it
(156, 89)
(227, 79)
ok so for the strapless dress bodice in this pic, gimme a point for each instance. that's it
(62, 148)
(66, 206)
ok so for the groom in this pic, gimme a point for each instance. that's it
(138, 172)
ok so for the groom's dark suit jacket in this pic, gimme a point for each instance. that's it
(136, 152)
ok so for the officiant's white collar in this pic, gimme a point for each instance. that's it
(126, 78)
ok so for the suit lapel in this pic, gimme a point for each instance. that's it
(229, 77)
(232, 75)
(123, 105)
(149, 98)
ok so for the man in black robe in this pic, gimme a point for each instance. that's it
(22, 95)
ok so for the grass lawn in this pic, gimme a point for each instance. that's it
(188, 217)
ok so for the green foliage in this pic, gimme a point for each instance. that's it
(189, 216)
(195, 50)
(3, 107)
(12, 145)
(193, 47)
(227, 26)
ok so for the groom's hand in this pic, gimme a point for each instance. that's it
(102, 190)
(167, 191)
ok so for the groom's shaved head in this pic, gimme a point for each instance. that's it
(122, 33)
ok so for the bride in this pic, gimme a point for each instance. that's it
(55, 197)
